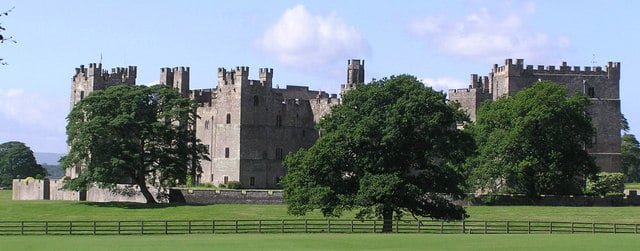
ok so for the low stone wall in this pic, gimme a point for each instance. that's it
(32, 189)
(202, 196)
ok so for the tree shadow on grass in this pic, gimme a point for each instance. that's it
(135, 205)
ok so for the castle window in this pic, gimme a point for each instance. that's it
(226, 152)
(211, 177)
(206, 124)
(81, 95)
(226, 179)
(278, 121)
(252, 181)
(304, 133)
(228, 118)
(591, 92)
(279, 155)
(256, 100)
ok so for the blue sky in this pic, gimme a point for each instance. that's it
(306, 42)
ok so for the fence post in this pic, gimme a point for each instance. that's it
(236, 226)
(507, 227)
(593, 227)
(551, 227)
(22, 227)
(463, 227)
(213, 226)
(374, 226)
(615, 228)
(572, 227)
(418, 226)
(397, 225)
(352, 226)
(442, 227)
(282, 226)
(70, 227)
(259, 226)
(305, 226)
(118, 227)
(46, 227)
(94, 227)
(142, 227)
(189, 227)
(485, 227)
(636, 228)
(166, 227)
(329, 225)
(528, 227)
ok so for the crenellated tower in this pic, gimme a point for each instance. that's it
(178, 78)
(355, 75)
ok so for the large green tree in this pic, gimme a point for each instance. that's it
(388, 148)
(533, 143)
(139, 134)
(630, 157)
(17, 161)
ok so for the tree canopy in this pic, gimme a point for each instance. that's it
(3, 36)
(143, 135)
(17, 161)
(630, 158)
(388, 148)
(533, 143)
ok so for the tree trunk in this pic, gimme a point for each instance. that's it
(387, 220)
(145, 191)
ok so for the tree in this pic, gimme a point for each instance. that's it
(3, 37)
(139, 134)
(17, 161)
(388, 148)
(630, 157)
(533, 143)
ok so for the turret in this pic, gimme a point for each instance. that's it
(355, 74)
(181, 80)
(266, 77)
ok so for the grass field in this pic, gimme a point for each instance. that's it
(324, 242)
(70, 210)
(632, 185)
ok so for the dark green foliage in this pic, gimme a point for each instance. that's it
(606, 183)
(631, 158)
(533, 143)
(133, 133)
(231, 185)
(17, 162)
(389, 147)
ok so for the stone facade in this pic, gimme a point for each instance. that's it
(601, 85)
(247, 125)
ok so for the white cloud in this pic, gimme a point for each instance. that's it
(443, 83)
(302, 39)
(33, 119)
(490, 35)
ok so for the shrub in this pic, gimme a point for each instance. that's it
(606, 183)
(234, 185)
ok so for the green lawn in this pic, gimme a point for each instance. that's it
(632, 185)
(70, 210)
(325, 242)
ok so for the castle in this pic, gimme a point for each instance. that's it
(247, 125)
(602, 86)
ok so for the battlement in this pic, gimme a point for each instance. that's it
(203, 96)
(103, 78)
(612, 69)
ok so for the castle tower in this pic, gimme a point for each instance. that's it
(178, 78)
(355, 75)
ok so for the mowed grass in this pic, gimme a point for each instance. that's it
(632, 186)
(73, 210)
(349, 242)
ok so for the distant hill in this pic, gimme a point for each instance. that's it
(50, 162)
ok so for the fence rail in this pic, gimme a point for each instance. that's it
(305, 226)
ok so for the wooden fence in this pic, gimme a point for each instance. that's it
(305, 226)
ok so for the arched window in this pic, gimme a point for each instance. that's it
(226, 152)
(206, 124)
(228, 118)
